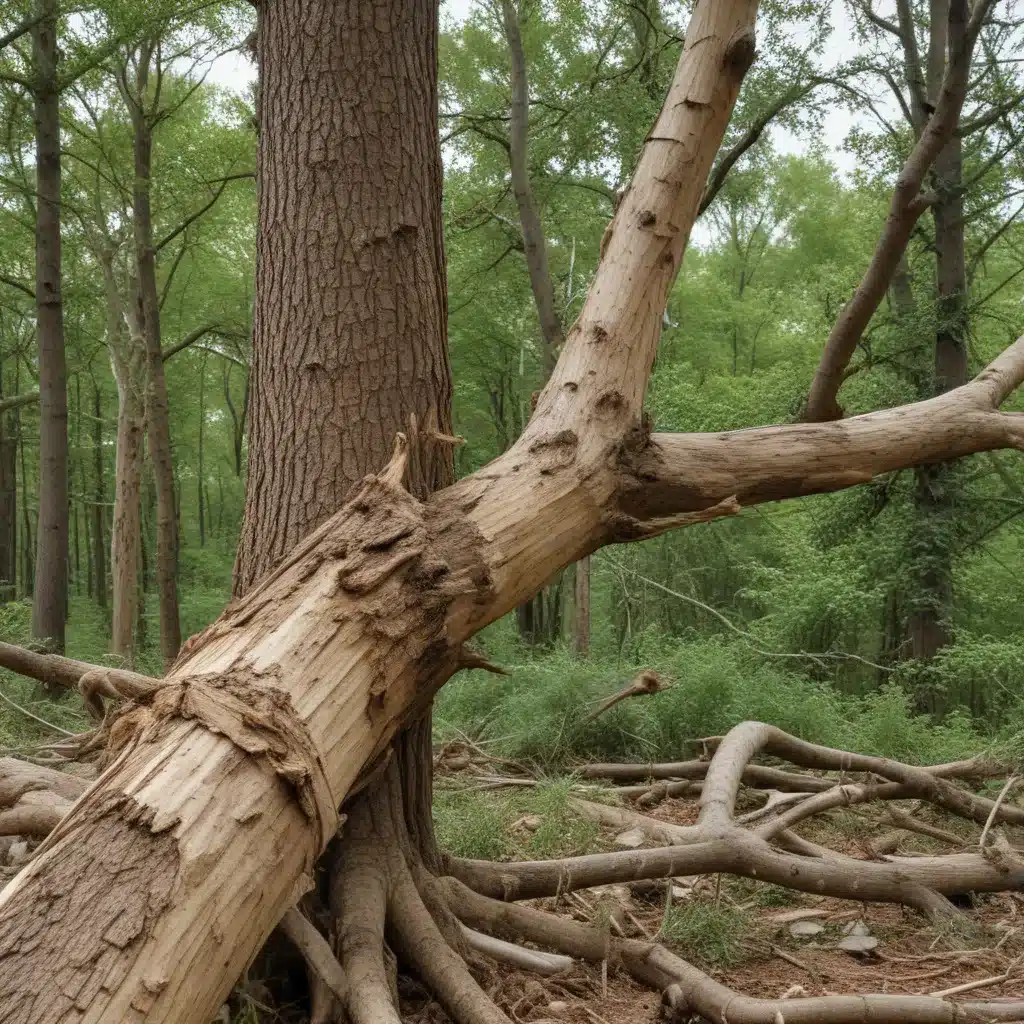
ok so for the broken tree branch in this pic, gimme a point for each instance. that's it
(643, 685)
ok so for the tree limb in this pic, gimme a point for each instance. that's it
(17, 401)
(906, 206)
(190, 339)
(749, 138)
(687, 472)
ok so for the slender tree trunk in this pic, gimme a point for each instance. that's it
(75, 462)
(27, 564)
(125, 541)
(51, 568)
(200, 476)
(540, 618)
(933, 543)
(158, 423)
(99, 502)
(8, 506)
(157, 406)
(582, 607)
(128, 358)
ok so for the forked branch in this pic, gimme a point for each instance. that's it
(908, 203)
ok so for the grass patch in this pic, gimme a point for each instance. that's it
(706, 934)
(468, 825)
(487, 825)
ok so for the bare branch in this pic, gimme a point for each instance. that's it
(688, 472)
(749, 138)
(906, 206)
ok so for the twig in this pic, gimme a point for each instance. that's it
(36, 718)
(995, 810)
(783, 955)
(969, 986)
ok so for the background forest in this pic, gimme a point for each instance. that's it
(806, 613)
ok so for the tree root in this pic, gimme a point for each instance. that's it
(771, 851)
(688, 990)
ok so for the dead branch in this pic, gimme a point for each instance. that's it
(643, 685)
(93, 681)
(673, 472)
(721, 843)
(754, 775)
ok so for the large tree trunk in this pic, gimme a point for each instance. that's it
(158, 417)
(8, 506)
(336, 378)
(51, 568)
(225, 780)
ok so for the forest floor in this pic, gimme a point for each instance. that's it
(759, 939)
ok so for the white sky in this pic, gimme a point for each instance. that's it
(236, 71)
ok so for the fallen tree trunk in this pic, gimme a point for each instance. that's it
(222, 790)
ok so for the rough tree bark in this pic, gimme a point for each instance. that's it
(51, 568)
(224, 781)
(350, 331)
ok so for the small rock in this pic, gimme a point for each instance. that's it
(527, 823)
(631, 840)
(558, 1008)
(681, 892)
(18, 853)
(805, 929)
(858, 945)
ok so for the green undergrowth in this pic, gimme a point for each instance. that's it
(707, 932)
(536, 823)
(538, 714)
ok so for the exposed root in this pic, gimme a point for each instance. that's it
(316, 952)
(516, 956)
(422, 943)
(770, 850)
(359, 894)
(689, 991)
